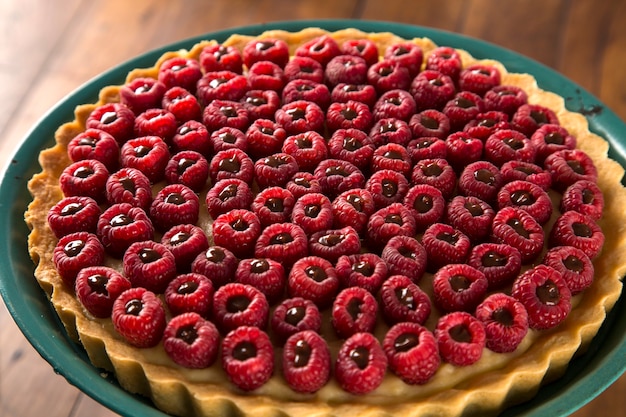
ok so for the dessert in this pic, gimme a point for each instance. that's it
(295, 314)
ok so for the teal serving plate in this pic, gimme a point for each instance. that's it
(586, 377)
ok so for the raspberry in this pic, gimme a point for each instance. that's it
(95, 144)
(225, 113)
(387, 187)
(191, 341)
(568, 166)
(407, 54)
(392, 156)
(486, 124)
(544, 293)
(139, 317)
(322, 49)
(174, 204)
(185, 241)
(463, 108)
(527, 196)
(499, 262)
(354, 311)
(348, 69)
(275, 170)
(505, 98)
(156, 122)
(216, 263)
(74, 252)
(353, 208)
(352, 145)
(471, 215)
(121, 225)
(313, 212)
(142, 93)
(266, 75)
(260, 104)
(308, 149)
(300, 116)
(129, 185)
(350, 114)
(97, 287)
(228, 138)
(226, 195)
(282, 242)
(272, 50)
(266, 275)
(404, 255)
(393, 220)
(114, 119)
(404, 301)
(458, 287)
(218, 57)
(86, 178)
(189, 293)
(437, 173)
(398, 104)
(481, 179)
(180, 72)
(365, 270)
(549, 139)
(192, 136)
(529, 117)
(361, 364)
(304, 68)
(432, 90)
(303, 183)
(221, 85)
(231, 164)
(507, 145)
(519, 229)
(149, 265)
(237, 230)
(307, 90)
(391, 130)
(525, 171)
(463, 150)
(430, 123)
(363, 93)
(574, 229)
(427, 147)
(584, 197)
(333, 243)
(446, 60)
(412, 353)
(294, 315)
(306, 362)
(188, 168)
(182, 104)
(313, 278)
(387, 75)
(248, 357)
(479, 78)
(148, 154)
(336, 176)
(445, 245)
(505, 320)
(461, 338)
(73, 214)
(236, 305)
(264, 138)
(363, 48)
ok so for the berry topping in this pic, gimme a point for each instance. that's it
(365, 270)
(349, 114)
(156, 122)
(219, 58)
(405, 255)
(97, 287)
(313, 212)
(549, 139)
(364, 48)
(306, 362)
(573, 264)
(282, 242)
(188, 168)
(479, 78)
(300, 116)
(336, 176)
(569, 166)
(353, 208)
(149, 265)
(237, 230)
(354, 310)
(505, 320)
(121, 225)
(139, 317)
(393, 220)
(437, 173)
(131, 186)
(352, 145)
(507, 145)
(430, 123)
(95, 144)
(574, 229)
(226, 195)
(142, 93)
(192, 136)
(191, 341)
(315, 279)
(113, 118)
(294, 315)
(236, 305)
(264, 138)
(458, 287)
(505, 98)
(74, 252)
(180, 72)
(148, 154)
(471, 215)
(481, 179)
(412, 352)
(189, 293)
(225, 113)
(445, 245)
(231, 163)
(221, 85)
(216, 263)
(73, 214)
(272, 50)
(348, 69)
(322, 49)
(86, 178)
(182, 104)
(500, 263)
(248, 357)
(387, 187)
(174, 204)
(403, 301)
(361, 364)
(275, 170)
(185, 241)
(530, 117)
(333, 243)
(517, 228)
(461, 338)
(527, 196)
(266, 275)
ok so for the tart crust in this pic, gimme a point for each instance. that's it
(493, 383)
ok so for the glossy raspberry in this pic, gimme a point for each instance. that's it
(505, 320)
(150, 265)
(412, 353)
(332, 243)
(432, 90)
(156, 122)
(573, 264)
(398, 104)
(445, 245)
(322, 49)
(361, 364)
(544, 293)
(185, 241)
(351, 114)
(266, 275)
(228, 138)
(427, 205)
(481, 179)
(189, 293)
(458, 287)
(348, 69)
(486, 124)
(180, 72)
(352, 145)
(192, 136)
(236, 305)
(407, 54)
(218, 57)
(231, 164)
(121, 225)
(505, 98)
(216, 263)
(261, 104)
(313, 278)
(303, 183)
(584, 197)
(248, 357)
(73, 214)
(569, 166)
(74, 252)
(427, 147)
(364, 270)
(307, 90)
(191, 341)
(507, 145)
(574, 229)
(354, 311)
(113, 118)
(86, 178)
(387, 75)
(275, 170)
(305, 68)
(387, 222)
(479, 78)
(519, 229)
(405, 255)
(471, 215)
(273, 50)
(387, 187)
(142, 93)
(402, 300)
(129, 185)
(527, 196)
(526, 171)
(436, 172)
(282, 242)
(461, 338)
(225, 113)
(551, 138)
(306, 362)
(300, 116)
(363, 93)
(237, 230)
(336, 176)
(148, 154)
(530, 117)
(308, 149)
(97, 287)
(294, 315)
(95, 144)
(188, 168)
(139, 317)
(266, 75)
(174, 204)
(430, 123)
(264, 138)
(463, 108)
(463, 150)
(391, 130)
(499, 262)
(226, 195)
(446, 60)
(392, 156)
(313, 212)
(182, 104)
(221, 85)
(353, 208)
(364, 48)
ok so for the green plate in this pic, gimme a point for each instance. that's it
(586, 377)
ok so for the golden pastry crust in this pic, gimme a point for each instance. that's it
(486, 387)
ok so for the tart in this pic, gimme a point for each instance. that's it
(442, 235)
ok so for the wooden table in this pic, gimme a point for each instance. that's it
(49, 48)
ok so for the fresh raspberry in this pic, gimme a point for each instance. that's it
(353, 208)
(568, 166)
(584, 197)
(398, 104)
(530, 117)
(336, 176)
(479, 78)
(261, 104)
(191, 341)
(445, 245)
(180, 72)
(275, 170)
(266, 275)
(304, 68)
(432, 90)
(347, 69)
(156, 122)
(129, 185)
(406, 256)
(273, 205)
(361, 364)
(352, 145)
(189, 293)
(527, 196)
(313, 212)
(486, 124)
(549, 139)
(387, 187)
(407, 54)
(306, 362)
(402, 300)
(322, 49)
(264, 138)
(218, 57)
(73, 214)
(391, 130)
(515, 227)
(481, 179)
(188, 168)
(446, 60)
(294, 315)
(387, 222)
(236, 305)
(364, 48)
(430, 123)
(182, 104)
(185, 241)
(192, 136)
(272, 50)
(148, 154)
(427, 147)
(363, 93)
(174, 204)
(221, 85)
(95, 144)
(86, 178)
(149, 265)
(387, 75)
(237, 230)
(437, 173)
(412, 353)
(303, 183)
(354, 311)
(228, 138)
(139, 317)
(121, 225)
(282, 242)
(266, 75)
(392, 156)
(471, 215)
(300, 116)
(463, 108)
(526, 171)
(313, 278)
(458, 287)
(507, 145)
(307, 90)
(113, 118)
(505, 320)
(575, 229)
(74, 252)
(333, 243)
(231, 164)
(97, 287)
(216, 263)
(573, 264)
(499, 262)
(351, 114)
(248, 357)
(505, 98)
(365, 270)
(544, 293)
(461, 338)
(142, 93)
(308, 149)
(226, 195)
(222, 113)
(463, 150)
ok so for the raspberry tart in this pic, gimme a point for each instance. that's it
(330, 223)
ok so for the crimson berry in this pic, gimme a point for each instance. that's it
(432, 90)
(527, 196)
(174, 204)
(185, 241)
(76, 251)
(313, 212)
(479, 78)
(499, 262)
(113, 118)
(353, 208)
(148, 154)
(470, 215)
(192, 136)
(266, 75)
(349, 114)
(300, 116)
(97, 287)
(398, 104)
(86, 178)
(336, 176)
(191, 341)
(387, 75)
(430, 123)
(264, 137)
(294, 315)
(333, 243)
(361, 364)
(364, 48)
(218, 57)
(248, 357)
(505, 98)
(142, 93)
(505, 320)
(307, 90)
(391, 130)
(237, 230)
(405, 255)
(182, 104)
(272, 50)
(458, 287)
(216, 263)
(221, 85)
(349, 69)
(322, 49)
(239, 305)
(226, 195)
(304, 68)
(156, 122)
(95, 144)
(461, 338)
(260, 104)
(188, 168)
(228, 138)
(519, 229)
(283, 242)
(222, 113)
(306, 362)
(139, 317)
(275, 170)
(407, 54)
(530, 117)
(575, 229)
(313, 278)
(73, 214)
(387, 187)
(363, 93)
(393, 220)
(354, 310)
(189, 293)
(584, 197)
(573, 264)
(412, 352)
(551, 138)
(150, 265)
(402, 300)
(352, 145)
(436, 172)
(121, 225)
(180, 72)
(231, 164)
(365, 270)
(266, 275)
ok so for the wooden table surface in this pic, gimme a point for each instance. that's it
(49, 48)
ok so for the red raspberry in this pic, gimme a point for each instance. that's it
(519, 229)
(216, 263)
(407, 54)
(174, 204)
(437, 173)
(306, 362)
(294, 315)
(471, 215)
(427, 147)
(461, 338)
(391, 130)
(530, 117)
(527, 196)
(86, 178)
(445, 245)
(142, 93)
(304, 68)
(569, 166)
(403, 301)
(121, 225)
(574, 229)
(95, 144)
(218, 57)
(505, 98)
(336, 176)
(148, 154)
(505, 320)
(221, 85)
(361, 364)
(266, 275)
(113, 118)
(129, 185)
(300, 116)
(226, 195)
(363, 93)
(446, 60)
(228, 138)
(191, 341)
(432, 90)
(525, 171)
(404, 255)
(264, 138)
(266, 75)
(463, 108)
(156, 122)
(499, 262)
(322, 49)
(307, 90)
(352, 145)
(584, 197)
(261, 104)
(486, 124)
(392, 156)
(139, 317)
(393, 220)
(348, 69)
(544, 293)
(387, 75)
(231, 164)
(430, 123)
(74, 252)
(398, 104)
(236, 305)
(351, 114)
(353, 208)
(275, 170)
(273, 50)
(73, 214)
(313, 278)
(188, 168)
(225, 113)
(365, 270)
(180, 72)
(308, 149)
(481, 179)
(303, 183)
(387, 187)
(364, 48)
(479, 78)
(149, 265)
(192, 136)
(248, 357)
(185, 241)
(412, 353)
(458, 287)
(237, 230)
(190, 293)
(463, 150)
(573, 264)
(354, 311)
(97, 287)
(313, 212)
(282, 242)
(333, 243)
(507, 145)
(549, 139)
(182, 104)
